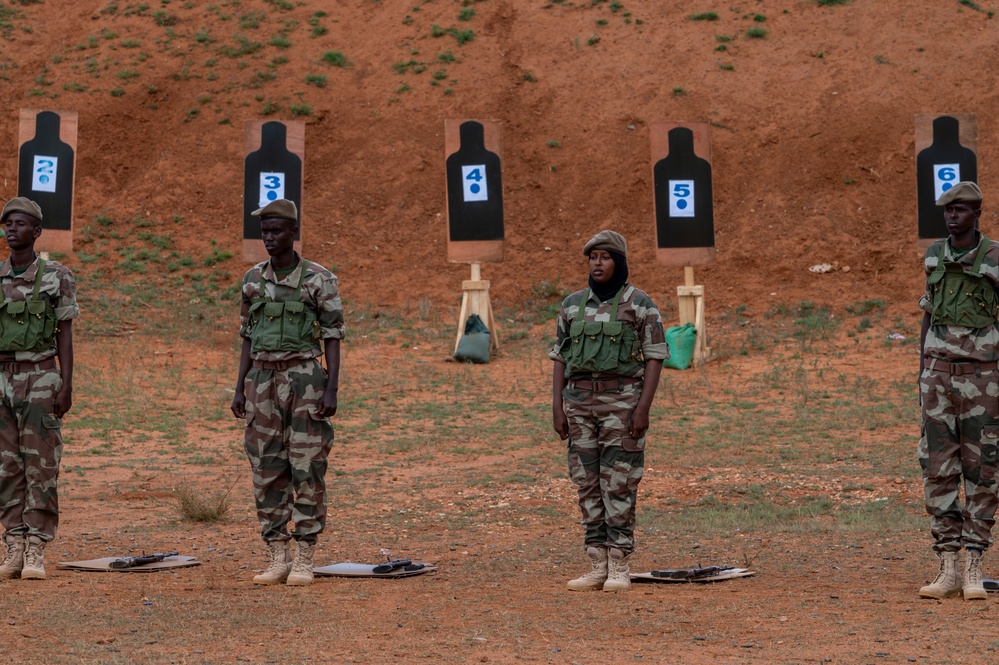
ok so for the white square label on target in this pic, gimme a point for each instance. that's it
(945, 176)
(43, 174)
(271, 188)
(681, 198)
(473, 182)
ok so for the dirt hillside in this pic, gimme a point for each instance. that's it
(812, 127)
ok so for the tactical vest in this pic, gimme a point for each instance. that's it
(289, 325)
(962, 296)
(28, 325)
(608, 347)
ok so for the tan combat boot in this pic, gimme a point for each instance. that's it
(593, 580)
(13, 562)
(301, 567)
(277, 571)
(973, 587)
(948, 581)
(34, 561)
(618, 575)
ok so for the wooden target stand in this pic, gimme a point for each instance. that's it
(690, 303)
(475, 300)
(684, 215)
(475, 224)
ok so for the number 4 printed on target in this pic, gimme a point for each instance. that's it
(473, 179)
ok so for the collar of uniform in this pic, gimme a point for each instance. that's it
(291, 279)
(629, 288)
(950, 248)
(8, 270)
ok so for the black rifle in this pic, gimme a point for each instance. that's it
(389, 566)
(692, 573)
(133, 561)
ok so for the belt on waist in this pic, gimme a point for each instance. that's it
(17, 366)
(971, 367)
(605, 384)
(281, 365)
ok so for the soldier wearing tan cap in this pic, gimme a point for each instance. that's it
(609, 351)
(291, 318)
(36, 329)
(958, 390)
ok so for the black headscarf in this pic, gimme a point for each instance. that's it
(609, 289)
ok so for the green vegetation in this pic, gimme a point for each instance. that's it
(335, 58)
(318, 80)
(705, 16)
(756, 32)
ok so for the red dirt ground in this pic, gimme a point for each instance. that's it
(813, 162)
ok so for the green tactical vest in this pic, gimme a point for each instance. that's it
(289, 325)
(961, 296)
(28, 325)
(609, 347)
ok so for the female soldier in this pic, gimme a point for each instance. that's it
(608, 355)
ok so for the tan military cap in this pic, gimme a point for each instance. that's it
(609, 240)
(21, 204)
(962, 191)
(282, 208)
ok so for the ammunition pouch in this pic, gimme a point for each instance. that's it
(28, 325)
(962, 296)
(288, 325)
(607, 347)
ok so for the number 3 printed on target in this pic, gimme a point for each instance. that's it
(681, 198)
(473, 180)
(271, 187)
(945, 176)
(43, 174)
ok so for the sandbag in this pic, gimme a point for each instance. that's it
(474, 344)
(681, 341)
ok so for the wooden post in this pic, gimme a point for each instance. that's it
(690, 299)
(475, 300)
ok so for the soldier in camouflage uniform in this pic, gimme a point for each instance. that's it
(290, 318)
(609, 350)
(959, 394)
(36, 317)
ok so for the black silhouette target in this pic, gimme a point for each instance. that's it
(684, 203)
(474, 188)
(271, 172)
(938, 168)
(45, 172)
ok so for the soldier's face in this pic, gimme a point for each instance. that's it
(601, 266)
(961, 217)
(21, 230)
(278, 235)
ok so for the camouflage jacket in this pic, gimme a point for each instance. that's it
(956, 343)
(58, 287)
(635, 309)
(319, 291)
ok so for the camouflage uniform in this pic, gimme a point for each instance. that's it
(605, 463)
(30, 434)
(286, 442)
(959, 391)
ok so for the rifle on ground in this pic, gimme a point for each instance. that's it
(691, 573)
(395, 564)
(133, 561)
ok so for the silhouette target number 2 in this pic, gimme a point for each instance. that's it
(45, 172)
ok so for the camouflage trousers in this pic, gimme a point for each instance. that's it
(30, 450)
(288, 445)
(959, 445)
(605, 463)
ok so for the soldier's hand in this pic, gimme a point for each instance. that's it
(63, 402)
(327, 406)
(238, 405)
(639, 423)
(561, 424)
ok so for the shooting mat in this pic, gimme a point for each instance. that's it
(102, 565)
(718, 577)
(364, 570)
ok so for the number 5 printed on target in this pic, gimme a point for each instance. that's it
(681, 198)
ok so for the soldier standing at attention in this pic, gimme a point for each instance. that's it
(608, 354)
(290, 317)
(959, 393)
(36, 326)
